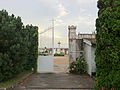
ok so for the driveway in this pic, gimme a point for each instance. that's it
(58, 80)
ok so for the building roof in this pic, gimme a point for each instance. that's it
(92, 40)
(72, 27)
(85, 34)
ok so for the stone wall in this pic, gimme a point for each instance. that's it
(76, 42)
(72, 42)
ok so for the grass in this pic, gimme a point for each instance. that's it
(14, 80)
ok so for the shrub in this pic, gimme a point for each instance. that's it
(56, 54)
(18, 46)
(108, 45)
(78, 66)
(43, 54)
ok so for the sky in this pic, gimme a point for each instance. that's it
(81, 13)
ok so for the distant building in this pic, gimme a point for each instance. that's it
(82, 44)
(56, 50)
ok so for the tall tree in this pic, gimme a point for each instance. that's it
(18, 46)
(108, 45)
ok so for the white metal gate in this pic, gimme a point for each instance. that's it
(46, 51)
(45, 64)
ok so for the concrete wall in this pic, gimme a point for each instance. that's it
(61, 50)
(89, 54)
(72, 42)
(81, 36)
(72, 50)
(78, 47)
(56, 50)
(93, 48)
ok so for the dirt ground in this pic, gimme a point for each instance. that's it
(61, 60)
(61, 64)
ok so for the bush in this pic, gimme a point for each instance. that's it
(18, 46)
(56, 54)
(108, 45)
(78, 66)
(43, 54)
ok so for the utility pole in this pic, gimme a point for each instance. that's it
(59, 44)
(53, 37)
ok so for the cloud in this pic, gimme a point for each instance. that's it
(86, 20)
(85, 1)
(81, 13)
(82, 10)
(59, 22)
(46, 39)
(49, 2)
(62, 11)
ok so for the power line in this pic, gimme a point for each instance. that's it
(52, 29)
(46, 30)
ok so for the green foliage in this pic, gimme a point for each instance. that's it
(18, 78)
(57, 54)
(43, 54)
(18, 46)
(108, 45)
(78, 66)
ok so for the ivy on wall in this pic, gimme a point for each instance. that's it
(108, 45)
(18, 46)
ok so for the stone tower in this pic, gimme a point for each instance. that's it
(72, 42)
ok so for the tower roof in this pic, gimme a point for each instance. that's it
(72, 27)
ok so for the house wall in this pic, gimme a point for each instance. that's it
(56, 50)
(93, 58)
(81, 36)
(61, 50)
(89, 54)
(78, 46)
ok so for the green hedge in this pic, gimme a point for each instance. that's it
(108, 45)
(56, 54)
(18, 46)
